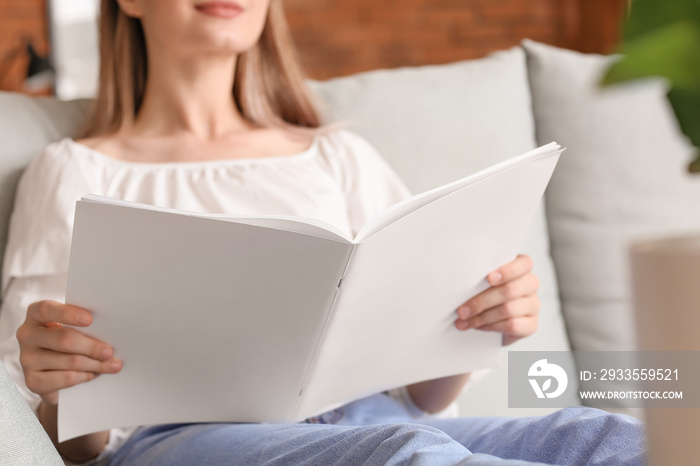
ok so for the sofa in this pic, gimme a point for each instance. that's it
(621, 179)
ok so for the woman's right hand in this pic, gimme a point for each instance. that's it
(54, 356)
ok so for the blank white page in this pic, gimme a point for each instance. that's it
(215, 321)
(393, 323)
(303, 225)
(387, 217)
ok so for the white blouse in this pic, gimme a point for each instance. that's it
(339, 179)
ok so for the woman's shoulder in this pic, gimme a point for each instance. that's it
(348, 148)
(53, 159)
(56, 150)
(59, 161)
(92, 143)
(343, 137)
(41, 223)
(351, 150)
(54, 173)
(59, 155)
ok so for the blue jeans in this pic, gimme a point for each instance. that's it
(378, 430)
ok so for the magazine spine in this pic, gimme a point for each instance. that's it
(314, 358)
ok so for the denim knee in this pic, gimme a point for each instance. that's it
(416, 444)
(587, 435)
(606, 418)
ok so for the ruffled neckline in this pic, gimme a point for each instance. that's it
(307, 153)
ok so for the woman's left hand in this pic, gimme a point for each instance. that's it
(509, 306)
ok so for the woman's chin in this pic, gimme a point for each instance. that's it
(217, 44)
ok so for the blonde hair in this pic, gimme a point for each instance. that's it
(269, 87)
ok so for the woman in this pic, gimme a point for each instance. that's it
(202, 106)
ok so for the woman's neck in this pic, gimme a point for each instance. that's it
(192, 95)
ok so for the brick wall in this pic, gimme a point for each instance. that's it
(340, 37)
(19, 20)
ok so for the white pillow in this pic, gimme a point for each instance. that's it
(621, 178)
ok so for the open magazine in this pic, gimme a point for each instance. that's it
(232, 318)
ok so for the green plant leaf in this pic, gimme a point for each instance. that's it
(648, 15)
(671, 51)
(662, 38)
(686, 104)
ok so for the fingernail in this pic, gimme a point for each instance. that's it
(495, 277)
(106, 354)
(462, 325)
(114, 366)
(83, 319)
(464, 312)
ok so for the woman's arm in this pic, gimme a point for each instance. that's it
(435, 395)
(510, 306)
(79, 449)
(54, 356)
